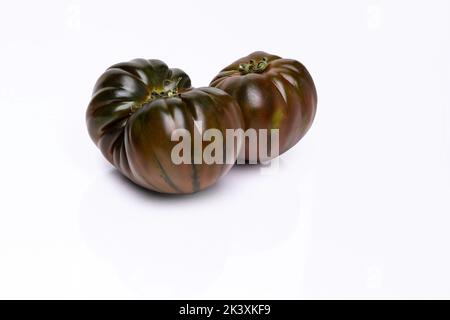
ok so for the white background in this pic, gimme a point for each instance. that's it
(360, 208)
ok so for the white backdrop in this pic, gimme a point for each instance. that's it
(358, 209)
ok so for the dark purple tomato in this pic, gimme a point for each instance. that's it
(135, 108)
(273, 93)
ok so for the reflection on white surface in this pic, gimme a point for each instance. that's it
(151, 244)
(178, 246)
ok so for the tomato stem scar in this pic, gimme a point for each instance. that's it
(170, 89)
(254, 66)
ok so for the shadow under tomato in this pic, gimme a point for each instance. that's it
(211, 191)
(158, 196)
(177, 246)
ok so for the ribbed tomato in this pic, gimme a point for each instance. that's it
(273, 93)
(135, 108)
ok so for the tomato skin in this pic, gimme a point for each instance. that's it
(133, 128)
(281, 95)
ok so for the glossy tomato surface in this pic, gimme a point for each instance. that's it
(134, 109)
(273, 93)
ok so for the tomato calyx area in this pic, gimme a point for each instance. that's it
(254, 66)
(170, 89)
